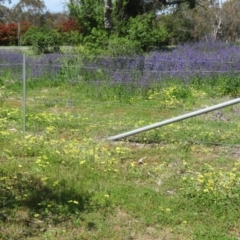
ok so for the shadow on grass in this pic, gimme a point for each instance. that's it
(39, 196)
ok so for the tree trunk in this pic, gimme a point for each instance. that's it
(108, 14)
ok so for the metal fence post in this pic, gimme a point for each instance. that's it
(24, 92)
(176, 119)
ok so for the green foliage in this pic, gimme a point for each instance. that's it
(96, 39)
(230, 85)
(143, 34)
(43, 40)
(143, 31)
(179, 26)
(3, 93)
(123, 46)
(147, 32)
(112, 46)
(220, 85)
(72, 38)
(71, 32)
(89, 13)
(100, 44)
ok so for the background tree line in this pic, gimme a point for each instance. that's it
(119, 26)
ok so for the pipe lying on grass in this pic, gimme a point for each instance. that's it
(176, 119)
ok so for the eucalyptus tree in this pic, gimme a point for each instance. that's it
(203, 22)
(134, 20)
(125, 9)
(4, 11)
(231, 20)
(107, 13)
(209, 20)
(29, 10)
(4, 14)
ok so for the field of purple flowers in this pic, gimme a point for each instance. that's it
(187, 63)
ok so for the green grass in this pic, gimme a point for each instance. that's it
(63, 180)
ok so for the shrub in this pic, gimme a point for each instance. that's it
(8, 34)
(71, 32)
(123, 46)
(148, 33)
(69, 26)
(3, 34)
(43, 40)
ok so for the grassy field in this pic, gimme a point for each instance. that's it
(62, 179)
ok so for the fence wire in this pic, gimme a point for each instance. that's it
(117, 69)
(96, 72)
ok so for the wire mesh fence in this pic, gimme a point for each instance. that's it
(141, 69)
(103, 73)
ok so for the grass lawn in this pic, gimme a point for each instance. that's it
(63, 180)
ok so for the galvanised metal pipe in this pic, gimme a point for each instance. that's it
(24, 92)
(176, 119)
